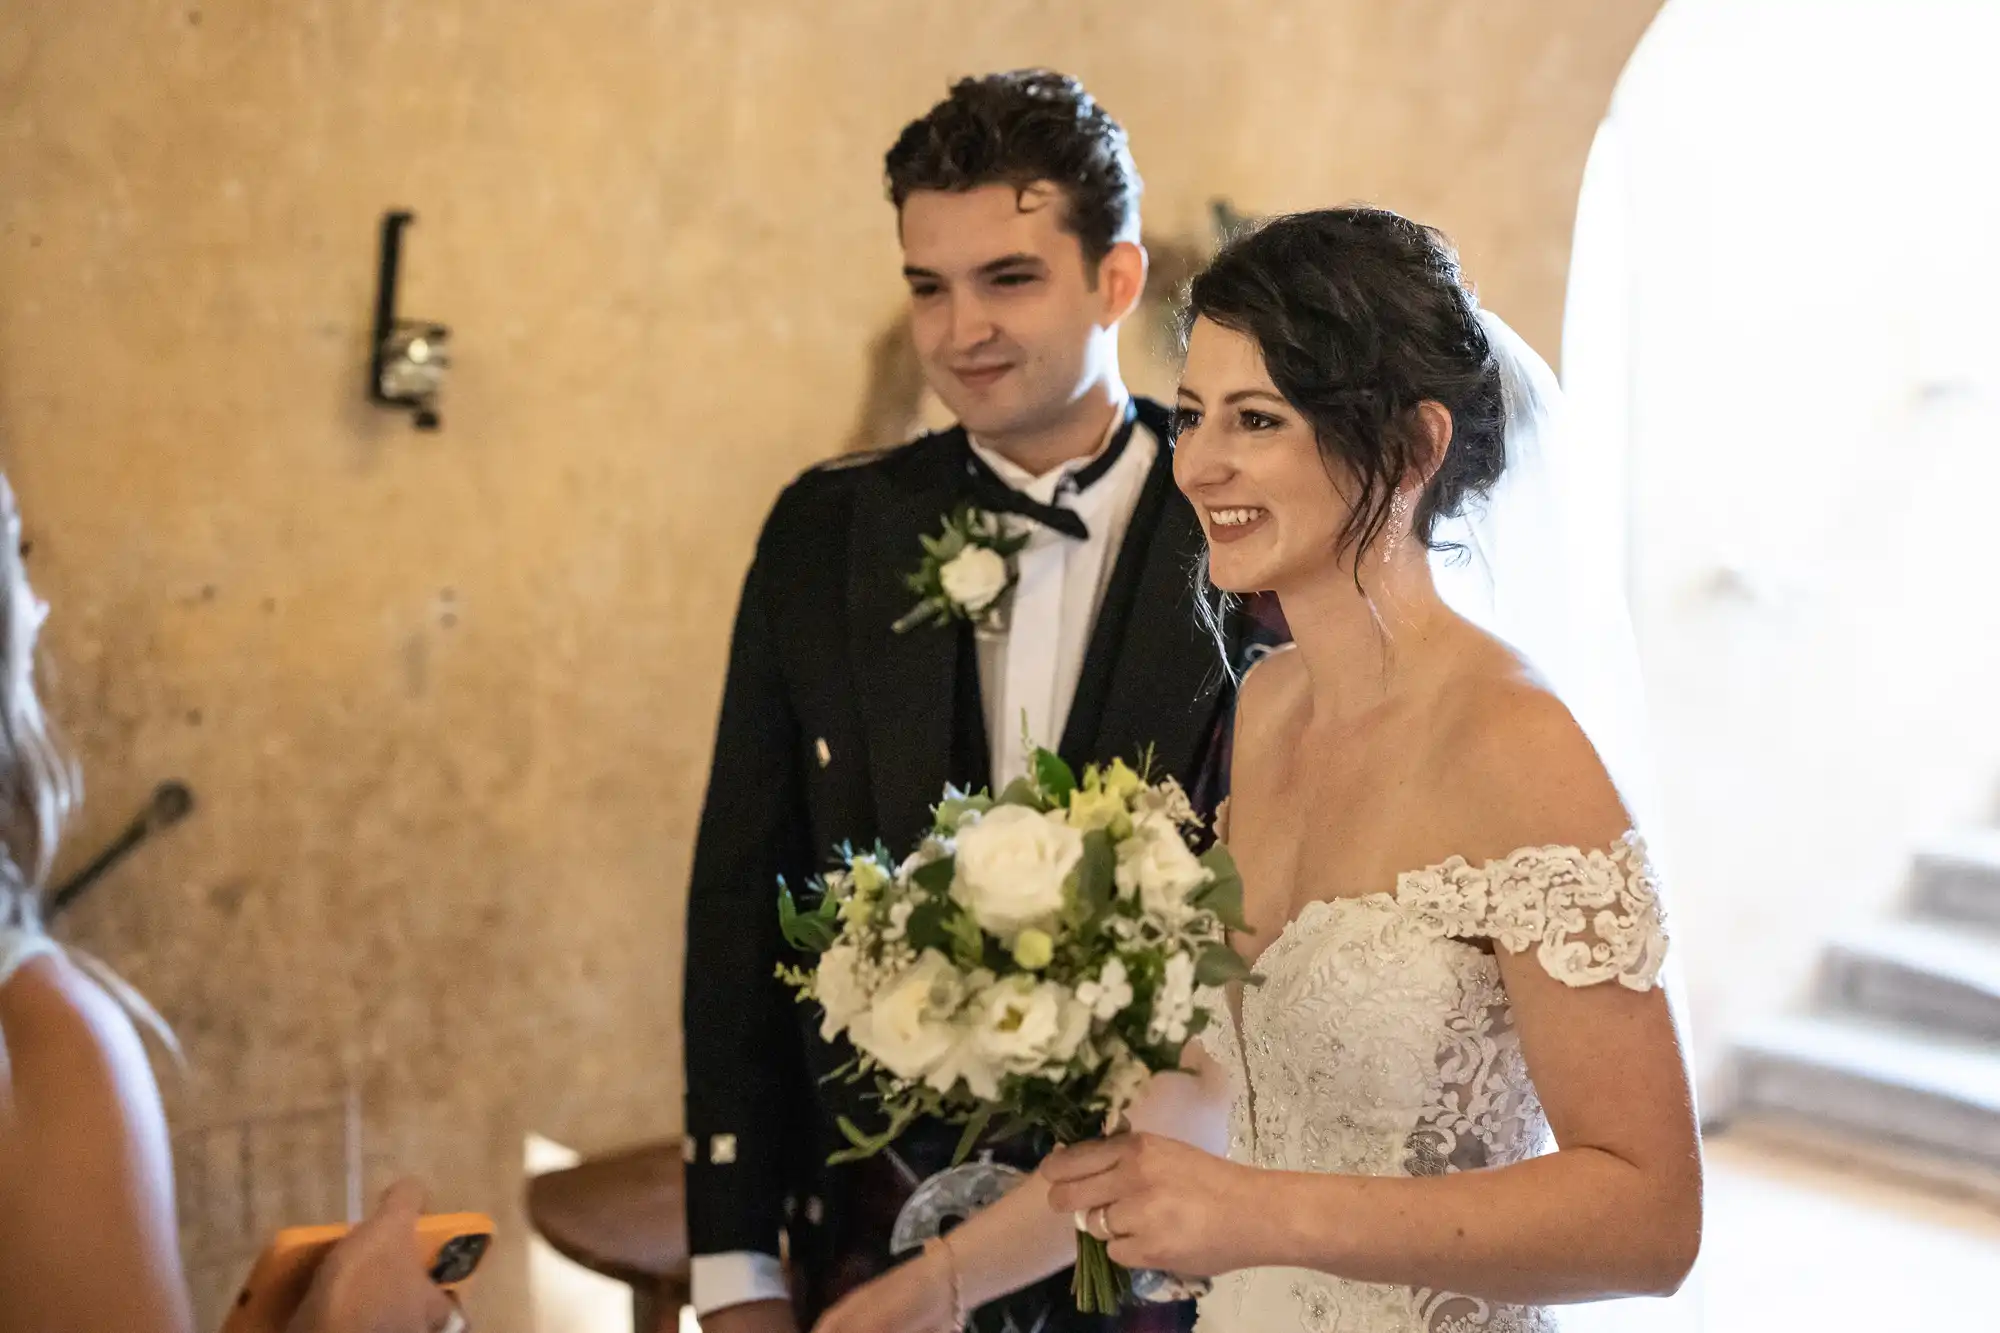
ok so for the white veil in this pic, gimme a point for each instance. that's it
(1537, 566)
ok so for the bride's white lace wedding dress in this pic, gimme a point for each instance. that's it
(1381, 1043)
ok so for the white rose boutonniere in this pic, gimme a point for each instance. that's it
(966, 574)
(975, 578)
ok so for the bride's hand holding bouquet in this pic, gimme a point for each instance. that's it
(1159, 1203)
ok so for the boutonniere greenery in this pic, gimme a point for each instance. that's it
(966, 574)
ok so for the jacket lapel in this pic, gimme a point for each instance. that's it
(906, 681)
(1150, 676)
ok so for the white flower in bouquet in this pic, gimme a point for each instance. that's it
(930, 850)
(1169, 799)
(1109, 994)
(1155, 865)
(1126, 1079)
(1173, 1006)
(965, 1062)
(1027, 1027)
(974, 578)
(906, 1027)
(837, 984)
(1011, 867)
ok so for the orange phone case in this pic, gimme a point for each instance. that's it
(283, 1273)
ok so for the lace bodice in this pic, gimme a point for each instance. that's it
(1381, 1043)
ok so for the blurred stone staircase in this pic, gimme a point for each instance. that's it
(1901, 1047)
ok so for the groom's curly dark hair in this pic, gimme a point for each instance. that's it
(1019, 128)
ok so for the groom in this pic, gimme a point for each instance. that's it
(1017, 207)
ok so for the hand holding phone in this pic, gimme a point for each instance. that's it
(391, 1274)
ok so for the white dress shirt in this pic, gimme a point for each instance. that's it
(1029, 669)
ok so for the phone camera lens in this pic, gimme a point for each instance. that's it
(456, 1259)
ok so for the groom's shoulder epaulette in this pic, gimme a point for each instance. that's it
(863, 458)
(818, 500)
(847, 462)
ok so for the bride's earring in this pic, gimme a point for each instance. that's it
(1399, 513)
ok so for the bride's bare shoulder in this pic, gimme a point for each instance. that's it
(1269, 686)
(1513, 759)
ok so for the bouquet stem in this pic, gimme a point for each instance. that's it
(1100, 1286)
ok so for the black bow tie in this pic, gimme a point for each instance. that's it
(997, 497)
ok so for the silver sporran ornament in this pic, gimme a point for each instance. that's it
(948, 1198)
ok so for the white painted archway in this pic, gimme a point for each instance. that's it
(1784, 325)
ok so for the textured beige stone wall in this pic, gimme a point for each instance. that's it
(446, 699)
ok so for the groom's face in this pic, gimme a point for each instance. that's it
(1250, 464)
(1009, 323)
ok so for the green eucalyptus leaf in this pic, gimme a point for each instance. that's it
(1218, 965)
(1055, 777)
(975, 1128)
(1095, 874)
(930, 925)
(935, 877)
(1222, 895)
(1021, 792)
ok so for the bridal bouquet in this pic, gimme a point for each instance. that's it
(1029, 966)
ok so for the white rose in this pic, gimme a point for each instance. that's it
(1011, 866)
(837, 986)
(1155, 864)
(974, 577)
(1109, 994)
(1023, 1026)
(906, 1026)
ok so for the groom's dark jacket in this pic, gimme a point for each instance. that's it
(836, 729)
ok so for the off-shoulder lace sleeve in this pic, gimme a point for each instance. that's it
(1589, 916)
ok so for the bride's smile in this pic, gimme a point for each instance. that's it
(1251, 466)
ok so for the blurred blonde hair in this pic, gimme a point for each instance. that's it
(41, 786)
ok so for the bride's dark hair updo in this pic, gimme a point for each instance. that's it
(1362, 314)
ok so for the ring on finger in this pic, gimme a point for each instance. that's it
(1101, 1222)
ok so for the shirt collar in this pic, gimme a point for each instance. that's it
(1044, 487)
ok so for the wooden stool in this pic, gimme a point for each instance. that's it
(623, 1216)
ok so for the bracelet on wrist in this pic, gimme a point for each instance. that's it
(942, 1248)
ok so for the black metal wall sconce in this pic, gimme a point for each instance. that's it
(171, 802)
(408, 357)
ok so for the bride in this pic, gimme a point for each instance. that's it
(1458, 1096)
